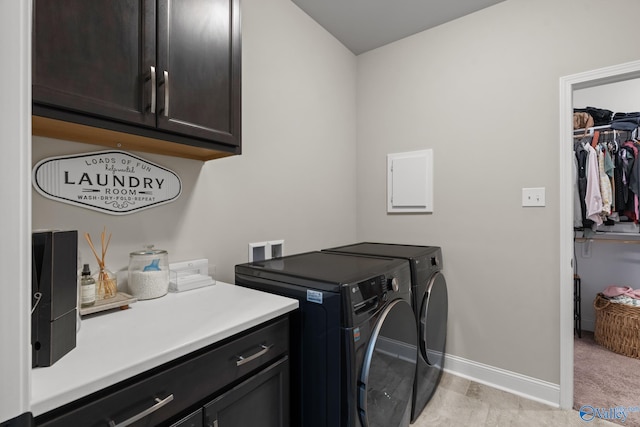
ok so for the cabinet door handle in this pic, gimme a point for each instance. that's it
(159, 404)
(153, 89)
(166, 93)
(242, 360)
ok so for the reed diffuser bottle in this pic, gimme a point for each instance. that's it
(106, 282)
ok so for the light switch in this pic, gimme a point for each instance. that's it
(533, 196)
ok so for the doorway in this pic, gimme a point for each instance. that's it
(568, 84)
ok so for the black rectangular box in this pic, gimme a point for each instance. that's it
(54, 292)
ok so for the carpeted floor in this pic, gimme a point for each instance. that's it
(604, 379)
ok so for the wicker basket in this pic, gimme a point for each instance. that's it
(617, 326)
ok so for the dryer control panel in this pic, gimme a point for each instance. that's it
(367, 294)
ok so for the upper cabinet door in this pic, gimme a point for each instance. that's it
(199, 69)
(95, 57)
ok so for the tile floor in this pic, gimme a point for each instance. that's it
(463, 403)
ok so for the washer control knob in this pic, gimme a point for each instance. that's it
(435, 261)
(395, 285)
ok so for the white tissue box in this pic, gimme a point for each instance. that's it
(188, 275)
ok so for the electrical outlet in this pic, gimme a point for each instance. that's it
(533, 196)
(258, 252)
(275, 248)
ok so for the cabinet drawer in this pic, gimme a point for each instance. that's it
(262, 400)
(172, 390)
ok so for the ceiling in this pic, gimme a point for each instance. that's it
(362, 25)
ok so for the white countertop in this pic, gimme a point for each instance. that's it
(116, 345)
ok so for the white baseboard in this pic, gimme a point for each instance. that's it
(512, 382)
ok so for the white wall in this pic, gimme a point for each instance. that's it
(294, 181)
(623, 97)
(483, 92)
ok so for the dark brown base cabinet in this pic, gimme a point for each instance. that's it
(162, 70)
(241, 382)
(259, 401)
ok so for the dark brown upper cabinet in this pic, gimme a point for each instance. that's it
(151, 75)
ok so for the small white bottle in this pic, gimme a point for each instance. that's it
(87, 288)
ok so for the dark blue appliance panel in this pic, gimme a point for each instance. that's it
(390, 250)
(320, 270)
(316, 350)
(433, 321)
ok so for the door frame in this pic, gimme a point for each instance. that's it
(15, 187)
(598, 77)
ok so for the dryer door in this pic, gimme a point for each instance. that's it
(433, 321)
(386, 379)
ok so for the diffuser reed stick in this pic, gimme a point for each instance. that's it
(106, 281)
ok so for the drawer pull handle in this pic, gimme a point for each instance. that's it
(166, 93)
(242, 360)
(159, 404)
(153, 89)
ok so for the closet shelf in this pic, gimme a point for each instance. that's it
(610, 237)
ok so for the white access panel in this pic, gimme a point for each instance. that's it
(410, 182)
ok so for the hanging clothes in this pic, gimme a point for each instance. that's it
(610, 148)
(625, 200)
(581, 156)
(606, 167)
(593, 198)
(634, 182)
(578, 202)
(605, 183)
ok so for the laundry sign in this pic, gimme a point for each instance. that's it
(113, 182)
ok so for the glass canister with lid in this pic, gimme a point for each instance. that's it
(148, 273)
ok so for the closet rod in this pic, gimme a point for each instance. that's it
(591, 128)
(603, 133)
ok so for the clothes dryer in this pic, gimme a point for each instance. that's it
(353, 338)
(430, 305)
